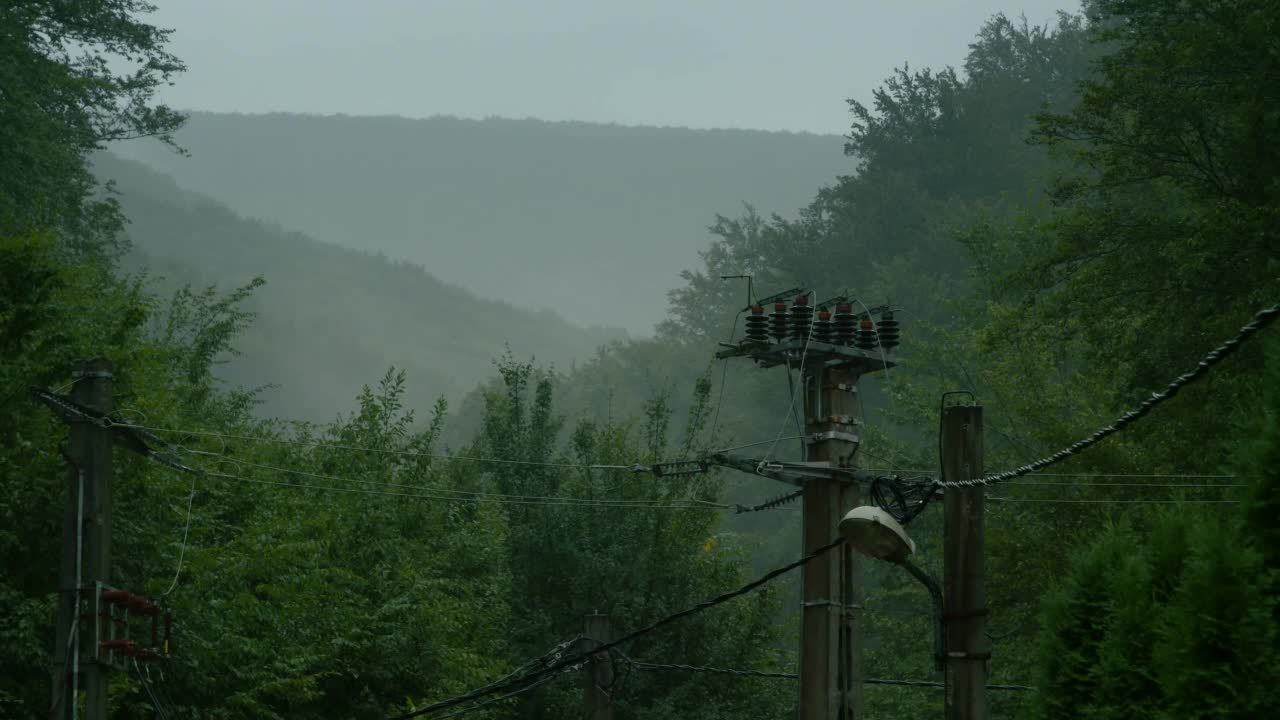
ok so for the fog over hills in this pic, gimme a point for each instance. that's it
(593, 221)
(330, 319)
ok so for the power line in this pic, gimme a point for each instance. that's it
(186, 530)
(791, 404)
(1260, 320)
(1227, 486)
(562, 502)
(1187, 476)
(791, 676)
(500, 698)
(1114, 502)
(463, 494)
(580, 657)
(383, 451)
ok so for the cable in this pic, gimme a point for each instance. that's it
(464, 494)
(500, 698)
(724, 374)
(753, 444)
(384, 451)
(146, 685)
(794, 676)
(791, 404)
(706, 604)
(1116, 502)
(1188, 476)
(185, 531)
(884, 360)
(1260, 320)
(1033, 483)
(701, 504)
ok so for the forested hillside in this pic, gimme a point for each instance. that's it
(594, 221)
(328, 318)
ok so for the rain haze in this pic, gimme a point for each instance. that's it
(646, 360)
(784, 68)
(754, 64)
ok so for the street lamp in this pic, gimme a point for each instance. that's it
(875, 533)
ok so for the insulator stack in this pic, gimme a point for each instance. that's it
(845, 324)
(757, 326)
(778, 322)
(867, 335)
(887, 329)
(801, 318)
(822, 329)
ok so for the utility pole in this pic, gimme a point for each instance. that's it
(830, 619)
(832, 351)
(86, 545)
(597, 697)
(964, 566)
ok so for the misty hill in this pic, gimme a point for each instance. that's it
(329, 318)
(595, 221)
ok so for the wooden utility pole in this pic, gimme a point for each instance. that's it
(86, 546)
(597, 694)
(830, 620)
(964, 567)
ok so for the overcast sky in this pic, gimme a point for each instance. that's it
(765, 64)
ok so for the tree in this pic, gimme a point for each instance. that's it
(74, 76)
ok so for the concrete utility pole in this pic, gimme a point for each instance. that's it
(86, 545)
(832, 351)
(597, 698)
(830, 620)
(964, 567)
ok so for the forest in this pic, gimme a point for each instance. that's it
(1068, 222)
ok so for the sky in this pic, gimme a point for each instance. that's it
(759, 64)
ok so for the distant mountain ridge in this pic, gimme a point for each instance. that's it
(329, 318)
(595, 221)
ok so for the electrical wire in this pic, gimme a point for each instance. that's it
(724, 374)
(1187, 476)
(500, 698)
(1113, 502)
(606, 647)
(753, 444)
(791, 404)
(884, 360)
(182, 553)
(792, 676)
(1260, 320)
(146, 685)
(551, 501)
(454, 494)
(384, 451)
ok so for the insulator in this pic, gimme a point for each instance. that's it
(822, 328)
(844, 324)
(801, 317)
(778, 322)
(867, 335)
(887, 329)
(757, 326)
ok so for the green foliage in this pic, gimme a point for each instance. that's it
(637, 563)
(1176, 623)
(72, 78)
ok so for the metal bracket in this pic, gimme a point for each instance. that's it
(77, 374)
(832, 435)
(958, 655)
(830, 603)
(838, 420)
